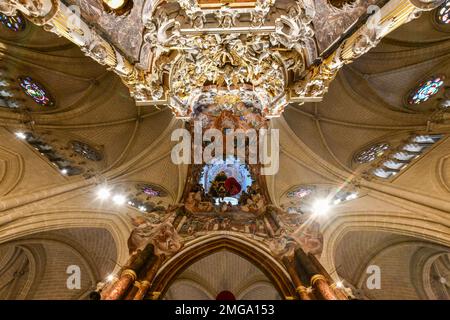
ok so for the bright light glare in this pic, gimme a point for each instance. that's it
(339, 285)
(21, 135)
(352, 196)
(321, 207)
(64, 171)
(119, 199)
(110, 278)
(114, 4)
(103, 193)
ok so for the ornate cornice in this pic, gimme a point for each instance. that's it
(245, 48)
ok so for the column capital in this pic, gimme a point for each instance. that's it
(301, 289)
(130, 273)
(316, 278)
(154, 295)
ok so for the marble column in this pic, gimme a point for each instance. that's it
(309, 272)
(132, 290)
(107, 289)
(338, 292)
(151, 270)
(319, 282)
(299, 287)
(127, 277)
(130, 273)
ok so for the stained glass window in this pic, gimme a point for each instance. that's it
(428, 139)
(301, 192)
(443, 13)
(342, 196)
(445, 104)
(404, 154)
(142, 197)
(151, 190)
(65, 166)
(86, 151)
(426, 90)
(372, 153)
(15, 23)
(384, 173)
(36, 91)
(148, 190)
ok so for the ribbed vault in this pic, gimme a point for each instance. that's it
(49, 220)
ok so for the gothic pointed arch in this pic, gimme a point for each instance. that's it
(205, 246)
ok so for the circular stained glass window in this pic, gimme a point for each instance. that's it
(443, 13)
(86, 151)
(372, 153)
(426, 90)
(14, 23)
(36, 91)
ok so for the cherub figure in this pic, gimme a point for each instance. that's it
(148, 229)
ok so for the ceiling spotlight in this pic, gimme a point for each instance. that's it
(110, 278)
(21, 135)
(119, 199)
(142, 208)
(118, 7)
(321, 207)
(103, 193)
(64, 171)
(339, 285)
(114, 4)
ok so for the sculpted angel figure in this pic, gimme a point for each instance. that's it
(305, 231)
(150, 230)
(282, 246)
(310, 237)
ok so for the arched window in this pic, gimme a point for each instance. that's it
(301, 192)
(145, 197)
(65, 166)
(443, 13)
(404, 154)
(36, 91)
(371, 153)
(151, 190)
(426, 90)
(14, 23)
(6, 96)
(86, 151)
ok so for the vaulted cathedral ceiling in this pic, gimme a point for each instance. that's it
(91, 93)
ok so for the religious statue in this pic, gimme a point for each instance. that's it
(163, 235)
